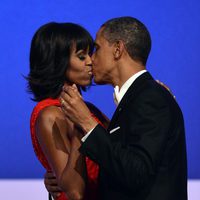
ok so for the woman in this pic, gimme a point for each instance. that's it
(60, 55)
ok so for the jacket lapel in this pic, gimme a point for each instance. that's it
(131, 93)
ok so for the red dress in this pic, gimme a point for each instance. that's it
(92, 168)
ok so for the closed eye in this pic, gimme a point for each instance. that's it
(82, 57)
(96, 47)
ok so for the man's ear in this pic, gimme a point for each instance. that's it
(118, 49)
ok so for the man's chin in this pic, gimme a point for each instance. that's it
(99, 81)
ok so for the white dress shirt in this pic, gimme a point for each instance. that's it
(119, 93)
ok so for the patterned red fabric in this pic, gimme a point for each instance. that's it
(92, 168)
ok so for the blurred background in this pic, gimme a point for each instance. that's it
(174, 26)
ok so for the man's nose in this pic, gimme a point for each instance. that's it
(92, 57)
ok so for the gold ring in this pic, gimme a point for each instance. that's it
(62, 101)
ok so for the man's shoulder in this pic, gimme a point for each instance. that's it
(151, 92)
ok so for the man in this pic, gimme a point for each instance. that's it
(142, 154)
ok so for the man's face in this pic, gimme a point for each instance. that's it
(102, 60)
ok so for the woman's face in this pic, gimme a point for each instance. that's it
(80, 71)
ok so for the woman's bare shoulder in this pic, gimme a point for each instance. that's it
(53, 128)
(51, 113)
(52, 120)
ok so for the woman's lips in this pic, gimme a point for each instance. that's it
(90, 73)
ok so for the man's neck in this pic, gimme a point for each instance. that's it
(124, 74)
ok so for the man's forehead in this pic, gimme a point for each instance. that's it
(98, 36)
(99, 32)
(96, 42)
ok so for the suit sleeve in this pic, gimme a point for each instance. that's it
(147, 125)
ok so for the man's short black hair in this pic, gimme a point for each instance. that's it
(133, 33)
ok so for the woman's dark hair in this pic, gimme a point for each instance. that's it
(50, 52)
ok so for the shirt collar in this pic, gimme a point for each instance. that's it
(118, 94)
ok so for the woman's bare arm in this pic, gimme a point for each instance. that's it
(61, 151)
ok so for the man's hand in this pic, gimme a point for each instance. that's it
(51, 185)
(75, 109)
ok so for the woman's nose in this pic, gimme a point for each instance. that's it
(89, 61)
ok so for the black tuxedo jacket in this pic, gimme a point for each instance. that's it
(142, 155)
